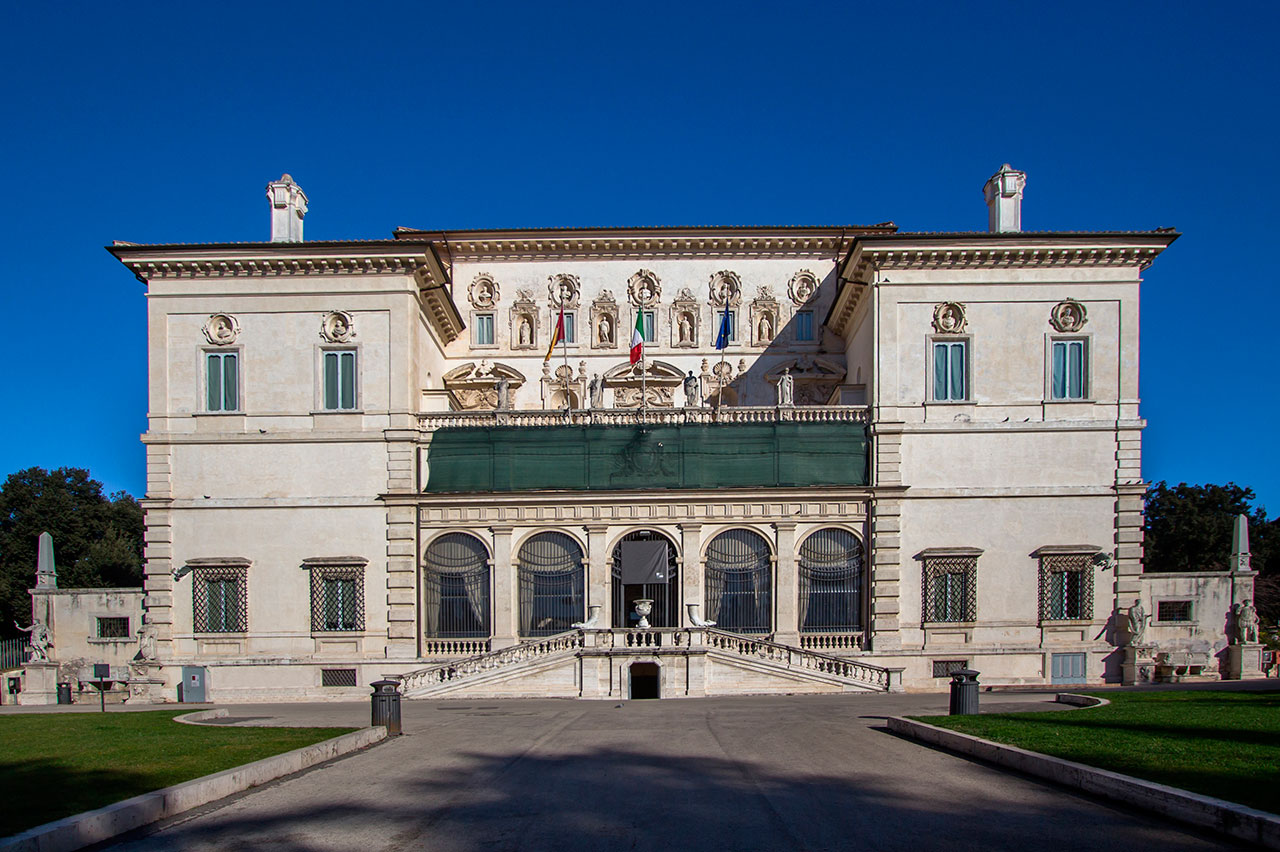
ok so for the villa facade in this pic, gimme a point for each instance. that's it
(910, 453)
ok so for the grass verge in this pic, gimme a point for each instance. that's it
(1221, 744)
(57, 765)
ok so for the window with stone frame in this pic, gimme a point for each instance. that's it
(950, 579)
(220, 599)
(1066, 585)
(113, 627)
(337, 594)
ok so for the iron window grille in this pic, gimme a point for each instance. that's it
(944, 668)
(337, 677)
(113, 628)
(950, 588)
(1173, 610)
(740, 582)
(337, 599)
(552, 584)
(1066, 587)
(220, 599)
(831, 572)
(456, 588)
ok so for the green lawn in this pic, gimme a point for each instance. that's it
(54, 765)
(1223, 744)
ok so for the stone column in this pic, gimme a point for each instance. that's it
(787, 584)
(598, 572)
(506, 593)
(691, 571)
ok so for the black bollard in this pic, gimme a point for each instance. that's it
(386, 705)
(964, 692)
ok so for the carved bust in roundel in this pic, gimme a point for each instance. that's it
(336, 327)
(949, 318)
(221, 329)
(1068, 316)
(483, 291)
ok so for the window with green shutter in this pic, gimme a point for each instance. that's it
(222, 381)
(340, 380)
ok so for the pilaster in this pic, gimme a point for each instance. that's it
(157, 570)
(691, 571)
(402, 582)
(886, 572)
(786, 627)
(598, 572)
(505, 594)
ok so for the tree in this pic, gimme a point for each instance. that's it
(1188, 528)
(97, 540)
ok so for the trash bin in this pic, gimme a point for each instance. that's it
(386, 705)
(64, 693)
(964, 692)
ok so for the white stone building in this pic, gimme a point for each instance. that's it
(917, 451)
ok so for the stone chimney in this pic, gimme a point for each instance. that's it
(1004, 199)
(288, 206)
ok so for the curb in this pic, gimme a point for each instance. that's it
(1249, 824)
(76, 832)
(201, 716)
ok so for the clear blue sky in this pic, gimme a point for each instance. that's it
(163, 123)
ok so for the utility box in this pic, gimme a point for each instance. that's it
(192, 689)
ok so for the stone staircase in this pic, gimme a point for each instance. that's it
(695, 661)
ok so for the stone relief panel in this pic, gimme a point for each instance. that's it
(1068, 316)
(483, 292)
(482, 386)
(563, 291)
(949, 318)
(813, 380)
(221, 329)
(719, 383)
(524, 321)
(765, 317)
(337, 327)
(802, 288)
(604, 321)
(658, 382)
(726, 288)
(644, 289)
(562, 388)
(685, 333)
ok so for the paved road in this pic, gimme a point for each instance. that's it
(776, 773)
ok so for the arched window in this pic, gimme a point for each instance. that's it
(665, 595)
(456, 588)
(740, 582)
(551, 584)
(831, 582)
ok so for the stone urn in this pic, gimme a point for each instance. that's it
(644, 606)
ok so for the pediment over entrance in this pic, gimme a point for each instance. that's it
(658, 380)
(476, 386)
(816, 378)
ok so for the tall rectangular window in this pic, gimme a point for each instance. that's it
(222, 381)
(950, 370)
(483, 330)
(950, 588)
(733, 324)
(1070, 365)
(340, 380)
(337, 596)
(1066, 587)
(570, 328)
(650, 327)
(804, 325)
(219, 600)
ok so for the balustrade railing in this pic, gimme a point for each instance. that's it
(651, 416)
(746, 646)
(455, 647)
(831, 641)
(446, 672)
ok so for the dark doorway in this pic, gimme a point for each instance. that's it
(644, 680)
(665, 596)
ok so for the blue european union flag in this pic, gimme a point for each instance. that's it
(722, 338)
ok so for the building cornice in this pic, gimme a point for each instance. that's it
(270, 259)
(637, 243)
(869, 256)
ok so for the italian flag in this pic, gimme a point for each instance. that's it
(637, 338)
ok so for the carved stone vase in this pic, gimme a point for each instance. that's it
(644, 606)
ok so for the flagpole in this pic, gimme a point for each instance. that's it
(564, 345)
(644, 378)
(724, 324)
